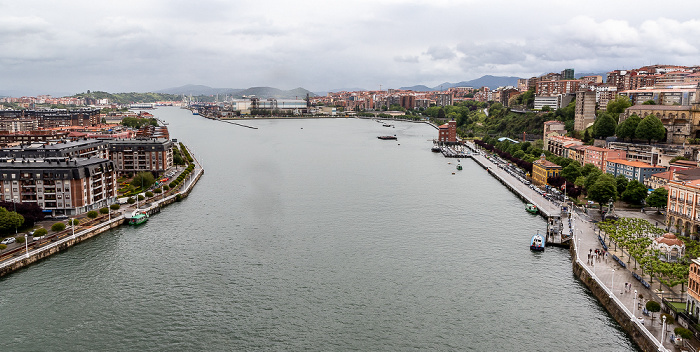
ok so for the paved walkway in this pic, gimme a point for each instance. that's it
(614, 276)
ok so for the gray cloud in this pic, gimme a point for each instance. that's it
(133, 45)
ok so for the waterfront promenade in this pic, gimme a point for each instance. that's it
(608, 274)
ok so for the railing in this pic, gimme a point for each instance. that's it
(619, 303)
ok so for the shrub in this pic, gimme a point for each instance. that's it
(104, 210)
(131, 200)
(172, 184)
(141, 197)
(19, 239)
(178, 197)
(165, 187)
(73, 222)
(114, 206)
(92, 214)
(3, 246)
(59, 226)
(158, 190)
(40, 232)
(149, 194)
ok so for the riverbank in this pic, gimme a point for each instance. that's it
(68, 238)
(623, 307)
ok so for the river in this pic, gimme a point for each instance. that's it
(312, 234)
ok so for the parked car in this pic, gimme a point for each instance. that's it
(8, 240)
(61, 217)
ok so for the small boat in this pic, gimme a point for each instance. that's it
(531, 208)
(435, 149)
(387, 137)
(537, 242)
(195, 112)
(459, 167)
(138, 218)
(386, 125)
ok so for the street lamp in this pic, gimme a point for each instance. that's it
(634, 307)
(612, 283)
(26, 246)
(72, 226)
(663, 328)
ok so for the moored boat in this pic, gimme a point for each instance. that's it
(138, 218)
(387, 137)
(459, 167)
(435, 149)
(531, 208)
(537, 242)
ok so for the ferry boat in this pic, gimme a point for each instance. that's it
(387, 137)
(537, 242)
(138, 218)
(531, 208)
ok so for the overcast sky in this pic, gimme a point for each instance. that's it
(67, 47)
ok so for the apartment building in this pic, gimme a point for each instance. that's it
(542, 169)
(584, 114)
(632, 170)
(683, 204)
(598, 156)
(59, 185)
(136, 155)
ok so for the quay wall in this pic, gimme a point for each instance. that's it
(636, 331)
(23, 260)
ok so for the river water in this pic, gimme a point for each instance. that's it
(313, 235)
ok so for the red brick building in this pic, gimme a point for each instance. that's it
(448, 132)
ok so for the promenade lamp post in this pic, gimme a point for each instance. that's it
(578, 248)
(663, 328)
(72, 226)
(612, 283)
(26, 246)
(634, 306)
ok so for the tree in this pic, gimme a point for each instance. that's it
(592, 177)
(571, 172)
(59, 226)
(73, 222)
(587, 169)
(635, 193)
(653, 307)
(10, 220)
(622, 182)
(104, 210)
(114, 206)
(131, 200)
(658, 199)
(604, 126)
(650, 128)
(92, 214)
(441, 113)
(683, 333)
(604, 189)
(628, 127)
(143, 180)
(586, 136)
(649, 102)
(40, 232)
(618, 105)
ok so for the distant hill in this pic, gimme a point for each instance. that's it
(323, 93)
(579, 75)
(269, 92)
(260, 92)
(198, 89)
(418, 88)
(484, 81)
